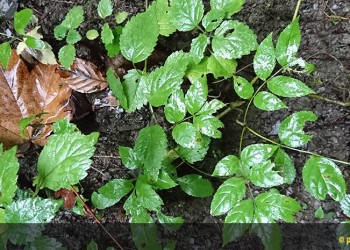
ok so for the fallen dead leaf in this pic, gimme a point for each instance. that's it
(68, 197)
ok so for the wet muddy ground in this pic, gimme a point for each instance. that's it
(325, 29)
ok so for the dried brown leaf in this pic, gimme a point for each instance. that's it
(68, 197)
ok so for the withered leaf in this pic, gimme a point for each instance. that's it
(84, 77)
(68, 197)
(25, 93)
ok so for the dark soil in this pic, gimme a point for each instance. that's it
(325, 43)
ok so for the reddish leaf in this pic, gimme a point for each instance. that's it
(68, 197)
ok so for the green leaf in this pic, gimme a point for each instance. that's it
(106, 34)
(229, 6)
(186, 14)
(73, 37)
(197, 153)
(129, 158)
(164, 18)
(139, 36)
(138, 213)
(234, 44)
(44, 242)
(196, 71)
(9, 167)
(227, 166)
(291, 131)
(264, 59)
(288, 87)
(92, 34)
(267, 230)
(164, 181)
(92, 245)
(175, 109)
(277, 206)
(64, 160)
(321, 177)
(221, 67)
(265, 175)
(228, 194)
(169, 222)
(21, 20)
(243, 88)
(145, 236)
(269, 102)
(319, 214)
(285, 166)
(208, 125)
(66, 55)
(211, 107)
(5, 54)
(104, 8)
(113, 48)
(212, 19)
(63, 126)
(198, 47)
(147, 197)
(35, 43)
(288, 43)
(121, 16)
(257, 153)
(136, 90)
(74, 18)
(345, 205)
(238, 220)
(111, 193)
(196, 95)
(194, 185)
(187, 135)
(60, 32)
(151, 147)
(116, 87)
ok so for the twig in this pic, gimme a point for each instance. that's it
(297, 8)
(344, 104)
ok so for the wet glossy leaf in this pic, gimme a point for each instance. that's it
(238, 220)
(147, 197)
(35, 43)
(44, 242)
(164, 181)
(265, 175)
(187, 135)
(117, 88)
(211, 107)
(288, 87)
(321, 177)
(267, 230)
(111, 193)
(234, 44)
(106, 34)
(257, 153)
(221, 67)
(227, 166)
(229, 6)
(208, 125)
(291, 131)
(129, 158)
(175, 109)
(186, 14)
(345, 205)
(194, 185)
(64, 160)
(269, 102)
(285, 166)
(243, 88)
(198, 47)
(73, 37)
(113, 48)
(227, 196)
(264, 59)
(104, 8)
(92, 34)
(66, 55)
(169, 222)
(166, 27)
(137, 212)
(74, 18)
(5, 54)
(197, 153)
(288, 43)
(21, 20)
(212, 19)
(196, 71)
(139, 36)
(145, 235)
(151, 147)
(9, 167)
(196, 95)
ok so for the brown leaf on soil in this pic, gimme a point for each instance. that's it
(84, 77)
(68, 197)
(30, 92)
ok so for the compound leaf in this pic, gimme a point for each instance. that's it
(117, 88)
(186, 14)
(285, 166)
(21, 20)
(129, 158)
(228, 194)
(227, 166)
(187, 135)
(288, 87)
(321, 177)
(211, 107)
(234, 44)
(195, 185)
(196, 95)
(269, 102)
(111, 193)
(104, 8)
(197, 153)
(164, 18)
(229, 6)
(139, 36)
(66, 55)
(107, 34)
(146, 196)
(212, 19)
(243, 88)
(73, 37)
(74, 18)
(264, 175)
(169, 222)
(221, 67)
(264, 59)
(208, 125)
(175, 109)
(198, 46)
(291, 131)
(257, 153)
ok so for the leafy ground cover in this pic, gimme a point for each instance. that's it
(330, 132)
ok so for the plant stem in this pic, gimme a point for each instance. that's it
(344, 104)
(13, 37)
(294, 149)
(297, 8)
